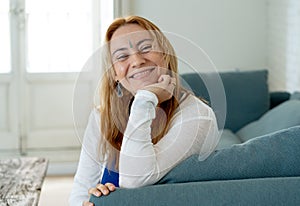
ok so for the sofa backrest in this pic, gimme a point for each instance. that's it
(247, 94)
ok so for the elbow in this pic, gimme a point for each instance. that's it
(138, 172)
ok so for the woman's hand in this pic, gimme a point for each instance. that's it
(163, 89)
(99, 190)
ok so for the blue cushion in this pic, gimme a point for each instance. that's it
(247, 94)
(111, 177)
(283, 116)
(273, 155)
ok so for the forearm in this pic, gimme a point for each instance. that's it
(137, 156)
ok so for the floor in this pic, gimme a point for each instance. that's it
(56, 190)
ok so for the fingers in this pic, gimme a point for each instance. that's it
(99, 190)
(110, 186)
(173, 81)
(164, 89)
(170, 83)
(102, 189)
(87, 203)
(94, 191)
(166, 81)
(164, 78)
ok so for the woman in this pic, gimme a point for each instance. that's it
(146, 123)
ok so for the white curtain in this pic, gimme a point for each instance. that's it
(293, 46)
(284, 44)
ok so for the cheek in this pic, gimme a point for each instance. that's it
(120, 71)
(158, 58)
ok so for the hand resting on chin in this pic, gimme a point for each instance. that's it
(163, 89)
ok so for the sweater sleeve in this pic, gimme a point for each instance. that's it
(89, 169)
(193, 130)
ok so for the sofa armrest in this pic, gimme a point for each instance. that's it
(266, 191)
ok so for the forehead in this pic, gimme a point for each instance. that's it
(126, 33)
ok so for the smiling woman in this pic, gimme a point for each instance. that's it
(136, 61)
(146, 122)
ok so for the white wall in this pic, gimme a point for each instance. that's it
(232, 32)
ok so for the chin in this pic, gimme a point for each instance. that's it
(143, 84)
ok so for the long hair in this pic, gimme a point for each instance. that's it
(114, 110)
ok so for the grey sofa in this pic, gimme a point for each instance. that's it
(257, 161)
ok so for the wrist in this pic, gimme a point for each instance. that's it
(146, 95)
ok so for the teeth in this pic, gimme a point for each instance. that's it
(141, 73)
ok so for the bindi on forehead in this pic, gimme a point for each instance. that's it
(130, 44)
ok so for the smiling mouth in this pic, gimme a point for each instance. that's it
(141, 74)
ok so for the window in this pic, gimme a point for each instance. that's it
(59, 35)
(50, 40)
(4, 37)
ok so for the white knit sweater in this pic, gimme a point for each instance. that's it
(193, 130)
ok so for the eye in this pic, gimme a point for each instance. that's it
(121, 57)
(146, 48)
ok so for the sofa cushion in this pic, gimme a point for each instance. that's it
(247, 94)
(228, 138)
(283, 116)
(273, 155)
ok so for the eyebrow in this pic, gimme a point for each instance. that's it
(120, 49)
(142, 41)
(125, 48)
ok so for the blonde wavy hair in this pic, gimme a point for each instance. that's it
(114, 110)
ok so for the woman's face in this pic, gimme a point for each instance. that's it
(137, 60)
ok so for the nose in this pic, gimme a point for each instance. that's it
(136, 60)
